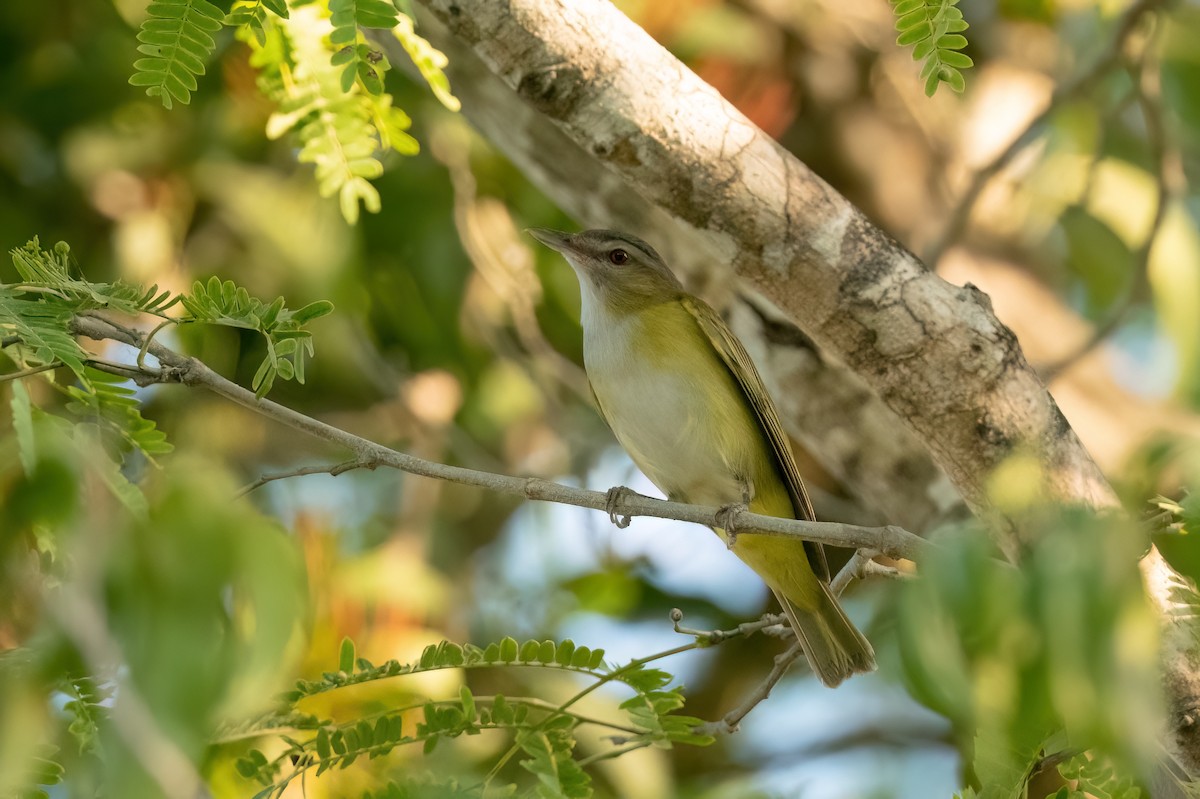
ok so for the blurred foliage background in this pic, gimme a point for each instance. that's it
(458, 341)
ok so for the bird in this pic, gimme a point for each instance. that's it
(683, 398)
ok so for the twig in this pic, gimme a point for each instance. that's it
(612, 753)
(141, 358)
(1081, 84)
(890, 540)
(876, 569)
(850, 572)
(144, 375)
(730, 721)
(713, 637)
(33, 370)
(861, 566)
(333, 470)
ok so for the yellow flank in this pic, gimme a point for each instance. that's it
(783, 566)
(782, 563)
(687, 424)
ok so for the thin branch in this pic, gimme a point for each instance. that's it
(713, 637)
(1109, 60)
(542, 704)
(873, 568)
(333, 470)
(850, 572)
(612, 753)
(861, 566)
(730, 721)
(141, 358)
(890, 540)
(33, 370)
(143, 376)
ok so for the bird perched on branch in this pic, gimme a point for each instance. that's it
(685, 401)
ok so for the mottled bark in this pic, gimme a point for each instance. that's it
(933, 352)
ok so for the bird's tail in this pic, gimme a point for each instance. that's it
(833, 645)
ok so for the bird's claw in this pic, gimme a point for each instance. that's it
(726, 518)
(612, 505)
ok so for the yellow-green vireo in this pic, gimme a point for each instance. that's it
(686, 402)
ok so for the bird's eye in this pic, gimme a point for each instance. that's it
(618, 257)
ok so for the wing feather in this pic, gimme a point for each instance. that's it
(738, 361)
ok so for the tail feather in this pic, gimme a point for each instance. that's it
(833, 645)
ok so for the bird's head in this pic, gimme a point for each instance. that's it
(617, 268)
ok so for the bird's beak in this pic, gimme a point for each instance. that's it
(554, 239)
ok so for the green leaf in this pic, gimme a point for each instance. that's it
(932, 82)
(346, 656)
(264, 378)
(176, 36)
(502, 712)
(953, 78)
(365, 734)
(356, 59)
(43, 327)
(331, 94)
(915, 34)
(107, 401)
(933, 29)
(22, 414)
(951, 41)
(468, 702)
(323, 748)
(581, 658)
(428, 60)
(909, 21)
(126, 492)
(288, 345)
(956, 60)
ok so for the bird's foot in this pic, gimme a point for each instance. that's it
(726, 518)
(616, 496)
